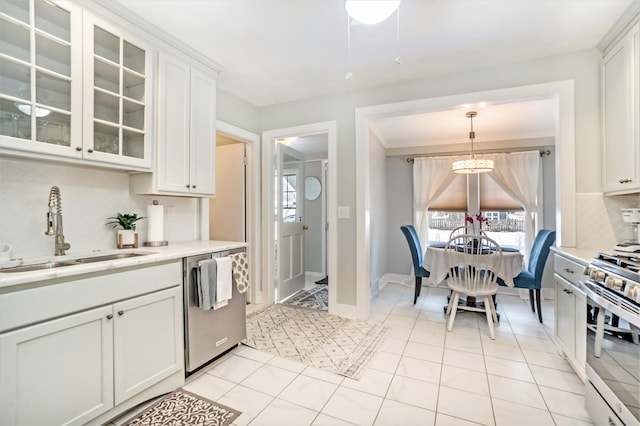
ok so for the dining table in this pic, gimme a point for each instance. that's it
(435, 261)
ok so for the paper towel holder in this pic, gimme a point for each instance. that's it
(155, 243)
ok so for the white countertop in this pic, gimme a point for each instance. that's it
(580, 255)
(10, 281)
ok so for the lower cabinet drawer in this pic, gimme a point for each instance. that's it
(568, 269)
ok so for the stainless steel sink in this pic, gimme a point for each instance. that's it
(70, 262)
(37, 266)
(106, 257)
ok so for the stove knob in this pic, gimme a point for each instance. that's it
(597, 276)
(614, 283)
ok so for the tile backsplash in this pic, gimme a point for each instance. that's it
(89, 197)
(599, 219)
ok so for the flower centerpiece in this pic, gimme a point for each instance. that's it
(127, 236)
(481, 219)
(468, 219)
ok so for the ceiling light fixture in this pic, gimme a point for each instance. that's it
(39, 112)
(472, 164)
(371, 11)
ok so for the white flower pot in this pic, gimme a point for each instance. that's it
(127, 238)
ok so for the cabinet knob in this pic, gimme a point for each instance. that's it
(109, 316)
(624, 180)
(193, 186)
(90, 150)
(570, 271)
(120, 313)
(78, 148)
(188, 186)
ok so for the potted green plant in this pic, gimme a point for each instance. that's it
(127, 236)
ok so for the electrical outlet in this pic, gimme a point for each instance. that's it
(343, 212)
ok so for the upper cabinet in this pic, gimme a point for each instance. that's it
(621, 115)
(185, 163)
(40, 77)
(117, 96)
(73, 87)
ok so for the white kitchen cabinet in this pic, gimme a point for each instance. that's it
(118, 71)
(570, 312)
(72, 87)
(621, 114)
(58, 372)
(147, 341)
(40, 77)
(124, 347)
(185, 161)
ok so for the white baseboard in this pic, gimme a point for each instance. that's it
(313, 275)
(394, 278)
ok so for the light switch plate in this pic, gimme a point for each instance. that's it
(343, 212)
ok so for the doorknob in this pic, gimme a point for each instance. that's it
(305, 227)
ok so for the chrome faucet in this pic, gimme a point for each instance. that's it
(54, 221)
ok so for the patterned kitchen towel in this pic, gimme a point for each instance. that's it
(240, 268)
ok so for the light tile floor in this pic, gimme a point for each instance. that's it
(423, 375)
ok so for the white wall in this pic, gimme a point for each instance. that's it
(89, 197)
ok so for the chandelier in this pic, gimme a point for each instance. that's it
(472, 164)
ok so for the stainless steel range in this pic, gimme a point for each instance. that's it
(613, 349)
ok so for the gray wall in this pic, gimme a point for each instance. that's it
(378, 218)
(582, 67)
(399, 212)
(313, 219)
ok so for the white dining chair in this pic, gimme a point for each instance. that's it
(472, 262)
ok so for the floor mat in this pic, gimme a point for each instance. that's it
(315, 338)
(184, 408)
(314, 298)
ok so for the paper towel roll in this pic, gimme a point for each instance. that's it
(155, 223)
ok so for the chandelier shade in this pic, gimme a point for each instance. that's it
(472, 165)
(371, 11)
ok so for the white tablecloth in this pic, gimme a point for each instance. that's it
(435, 261)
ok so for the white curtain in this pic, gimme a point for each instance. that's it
(431, 177)
(517, 173)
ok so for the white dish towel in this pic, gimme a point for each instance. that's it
(223, 282)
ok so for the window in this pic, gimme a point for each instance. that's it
(289, 197)
(506, 220)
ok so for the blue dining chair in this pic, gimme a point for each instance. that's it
(416, 256)
(531, 278)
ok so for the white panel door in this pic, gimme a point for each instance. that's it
(148, 342)
(58, 372)
(290, 199)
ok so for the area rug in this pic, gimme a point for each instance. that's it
(315, 338)
(315, 298)
(185, 408)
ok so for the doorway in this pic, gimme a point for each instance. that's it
(249, 229)
(227, 211)
(316, 142)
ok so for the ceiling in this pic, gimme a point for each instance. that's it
(276, 51)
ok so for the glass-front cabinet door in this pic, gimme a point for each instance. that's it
(40, 77)
(117, 96)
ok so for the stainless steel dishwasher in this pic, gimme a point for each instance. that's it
(209, 333)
